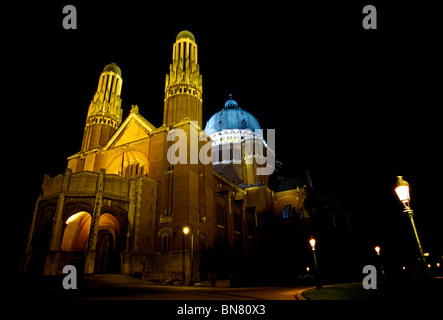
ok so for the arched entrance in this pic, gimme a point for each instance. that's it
(75, 240)
(107, 258)
(105, 252)
(40, 242)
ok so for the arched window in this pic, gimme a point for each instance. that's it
(165, 243)
(287, 211)
(134, 169)
(220, 215)
(238, 223)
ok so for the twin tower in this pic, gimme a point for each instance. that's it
(183, 94)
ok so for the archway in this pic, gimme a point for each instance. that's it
(75, 239)
(40, 241)
(107, 259)
(105, 252)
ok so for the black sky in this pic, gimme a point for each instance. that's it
(355, 107)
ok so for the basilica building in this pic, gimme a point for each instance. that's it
(123, 206)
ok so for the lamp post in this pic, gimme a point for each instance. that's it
(377, 249)
(402, 190)
(318, 285)
(186, 230)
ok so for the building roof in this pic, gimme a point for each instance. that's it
(291, 183)
(114, 68)
(231, 117)
(185, 34)
(324, 198)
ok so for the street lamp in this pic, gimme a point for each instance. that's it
(186, 230)
(377, 249)
(402, 190)
(312, 243)
(317, 273)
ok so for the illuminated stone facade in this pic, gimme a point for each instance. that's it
(121, 206)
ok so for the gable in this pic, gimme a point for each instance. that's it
(134, 128)
(132, 132)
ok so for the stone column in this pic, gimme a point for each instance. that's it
(93, 231)
(28, 249)
(126, 255)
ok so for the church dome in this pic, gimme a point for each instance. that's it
(185, 34)
(231, 117)
(114, 68)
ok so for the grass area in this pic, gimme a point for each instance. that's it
(348, 291)
(430, 289)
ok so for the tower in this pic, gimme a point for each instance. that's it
(105, 112)
(185, 187)
(183, 87)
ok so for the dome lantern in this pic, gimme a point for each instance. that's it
(231, 103)
(185, 34)
(114, 68)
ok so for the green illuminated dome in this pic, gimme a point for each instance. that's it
(185, 34)
(114, 68)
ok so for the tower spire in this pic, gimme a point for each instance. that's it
(183, 86)
(105, 112)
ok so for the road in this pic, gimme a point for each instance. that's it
(121, 287)
(186, 293)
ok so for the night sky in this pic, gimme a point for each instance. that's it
(355, 107)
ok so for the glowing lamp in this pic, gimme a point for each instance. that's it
(377, 249)
(186, 230)
(312, 243)
(402, 190)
